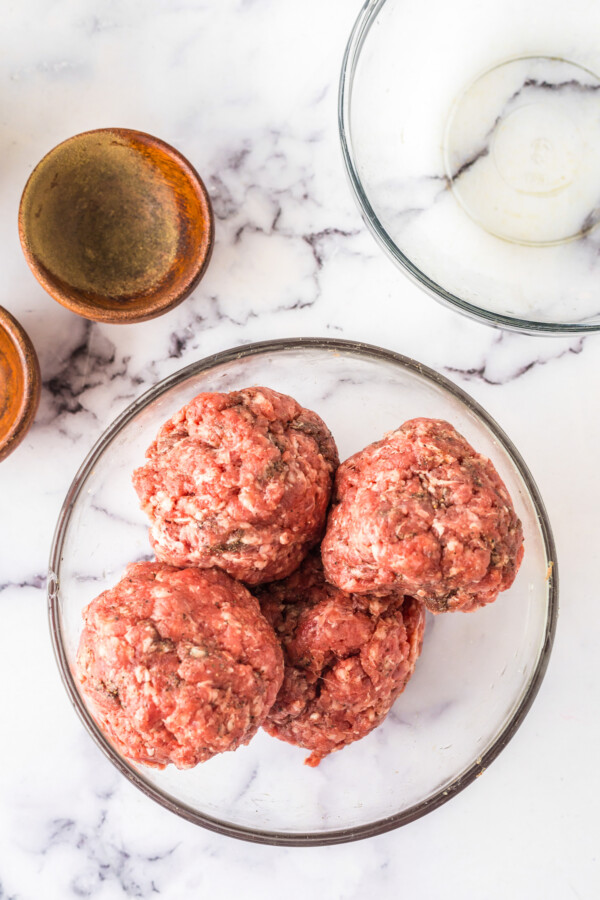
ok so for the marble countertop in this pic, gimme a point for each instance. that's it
(247, 90)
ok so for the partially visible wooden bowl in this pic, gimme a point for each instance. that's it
(116, 225)
(19, 383)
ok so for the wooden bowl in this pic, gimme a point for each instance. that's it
(116, 225)
(19, 383)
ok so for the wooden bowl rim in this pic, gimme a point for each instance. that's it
(152, 306)
(30, 396)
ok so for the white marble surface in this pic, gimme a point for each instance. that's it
(247, 90)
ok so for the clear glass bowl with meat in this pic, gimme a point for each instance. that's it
(477, 675)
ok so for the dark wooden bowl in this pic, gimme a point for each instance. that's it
(19, 383)
(116, 225)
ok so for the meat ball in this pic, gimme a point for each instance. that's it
(177, 664)
(421, 512)
(347, 658)
(240, 481)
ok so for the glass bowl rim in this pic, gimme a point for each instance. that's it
(362, 26)
(315, 838)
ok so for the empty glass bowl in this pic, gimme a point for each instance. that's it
(478, 672)
(470, 133)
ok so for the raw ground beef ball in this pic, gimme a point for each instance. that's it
(241, 481)
(347, 658)
(178, 664)
(421, 512)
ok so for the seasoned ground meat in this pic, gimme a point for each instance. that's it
(347, 658)
(178, 664)
(240, 481)
(421, 512)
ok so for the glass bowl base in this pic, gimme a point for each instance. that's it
(520, 150)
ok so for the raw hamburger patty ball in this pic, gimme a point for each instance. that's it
(420, 511)
(178, 664)
(347, 658)
(241, 481)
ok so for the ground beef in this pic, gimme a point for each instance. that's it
(241, 481)
(178, 664)
(347, 658)
(421, 512)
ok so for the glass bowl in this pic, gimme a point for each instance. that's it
(470, 133)
(478, 673)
